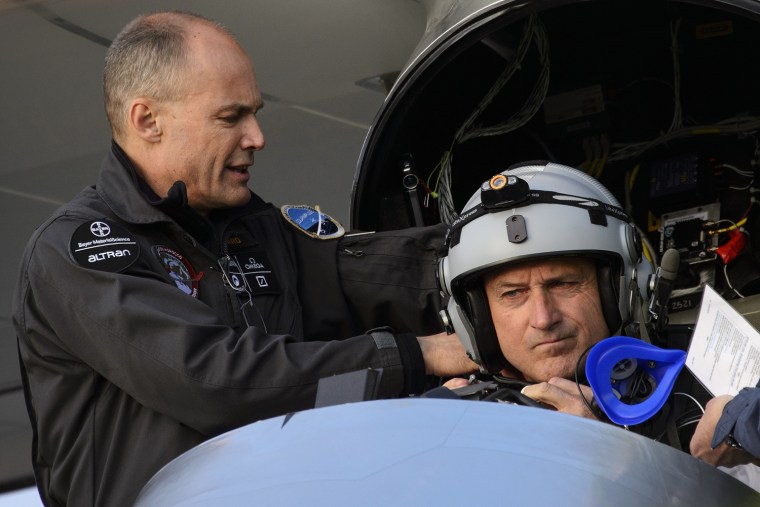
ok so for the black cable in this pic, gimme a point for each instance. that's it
(596, 412)
(634, 387)
(682, 420)
(509, 389)
(511, 382)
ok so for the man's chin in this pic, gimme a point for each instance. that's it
(549, 372)
(239, 198)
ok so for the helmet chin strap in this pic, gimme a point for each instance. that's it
(606, 280)
(636, 325)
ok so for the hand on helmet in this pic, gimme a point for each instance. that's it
(445, 355)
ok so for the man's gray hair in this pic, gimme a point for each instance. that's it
(148, 58)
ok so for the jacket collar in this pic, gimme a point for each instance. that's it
(133, 201)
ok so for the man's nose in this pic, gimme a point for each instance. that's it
(253, 136)
(544, 311)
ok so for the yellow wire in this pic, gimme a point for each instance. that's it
(439, 168)
(634, 173)
(706, 130)
(730, 228)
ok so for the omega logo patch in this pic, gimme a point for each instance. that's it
(103, 246)
(254, 272)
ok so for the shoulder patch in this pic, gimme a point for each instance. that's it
(312, 222)
(179, 269)
(104, 246)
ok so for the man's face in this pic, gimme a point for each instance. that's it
(546, 313)
(210, 134)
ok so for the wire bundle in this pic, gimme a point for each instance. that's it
(533, 33)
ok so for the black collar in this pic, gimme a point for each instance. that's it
(175, 204)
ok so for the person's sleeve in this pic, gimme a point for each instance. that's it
(413, 364)
(390, 278)
(741, 420)
(171, 352)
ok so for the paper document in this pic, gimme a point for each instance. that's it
(724, 353)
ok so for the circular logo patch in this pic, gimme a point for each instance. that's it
(178, 269)
(104, 246)
(312, 221)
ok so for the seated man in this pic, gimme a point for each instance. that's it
(542, 264)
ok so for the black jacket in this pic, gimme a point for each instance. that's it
(134, 347)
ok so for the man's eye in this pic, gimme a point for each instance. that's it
(230, 119)
(511, 294)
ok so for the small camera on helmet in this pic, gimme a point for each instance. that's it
(504, 191)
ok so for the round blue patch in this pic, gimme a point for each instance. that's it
(312, 222)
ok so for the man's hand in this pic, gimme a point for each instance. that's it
(562, 394)
(445, 356)
(700, 441)
(723, 454)
(456, 382)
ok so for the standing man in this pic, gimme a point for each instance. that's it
(165, 305)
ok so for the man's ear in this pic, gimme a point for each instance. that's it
(143, 120)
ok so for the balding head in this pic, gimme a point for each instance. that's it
(149, 58)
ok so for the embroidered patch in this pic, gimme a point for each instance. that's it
(312, 222)
(251, 271)
(104, 246)
(178, 269)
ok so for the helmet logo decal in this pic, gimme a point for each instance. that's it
(466, 216)
(580, 201)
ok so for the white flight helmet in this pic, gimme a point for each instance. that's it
(537, 210)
